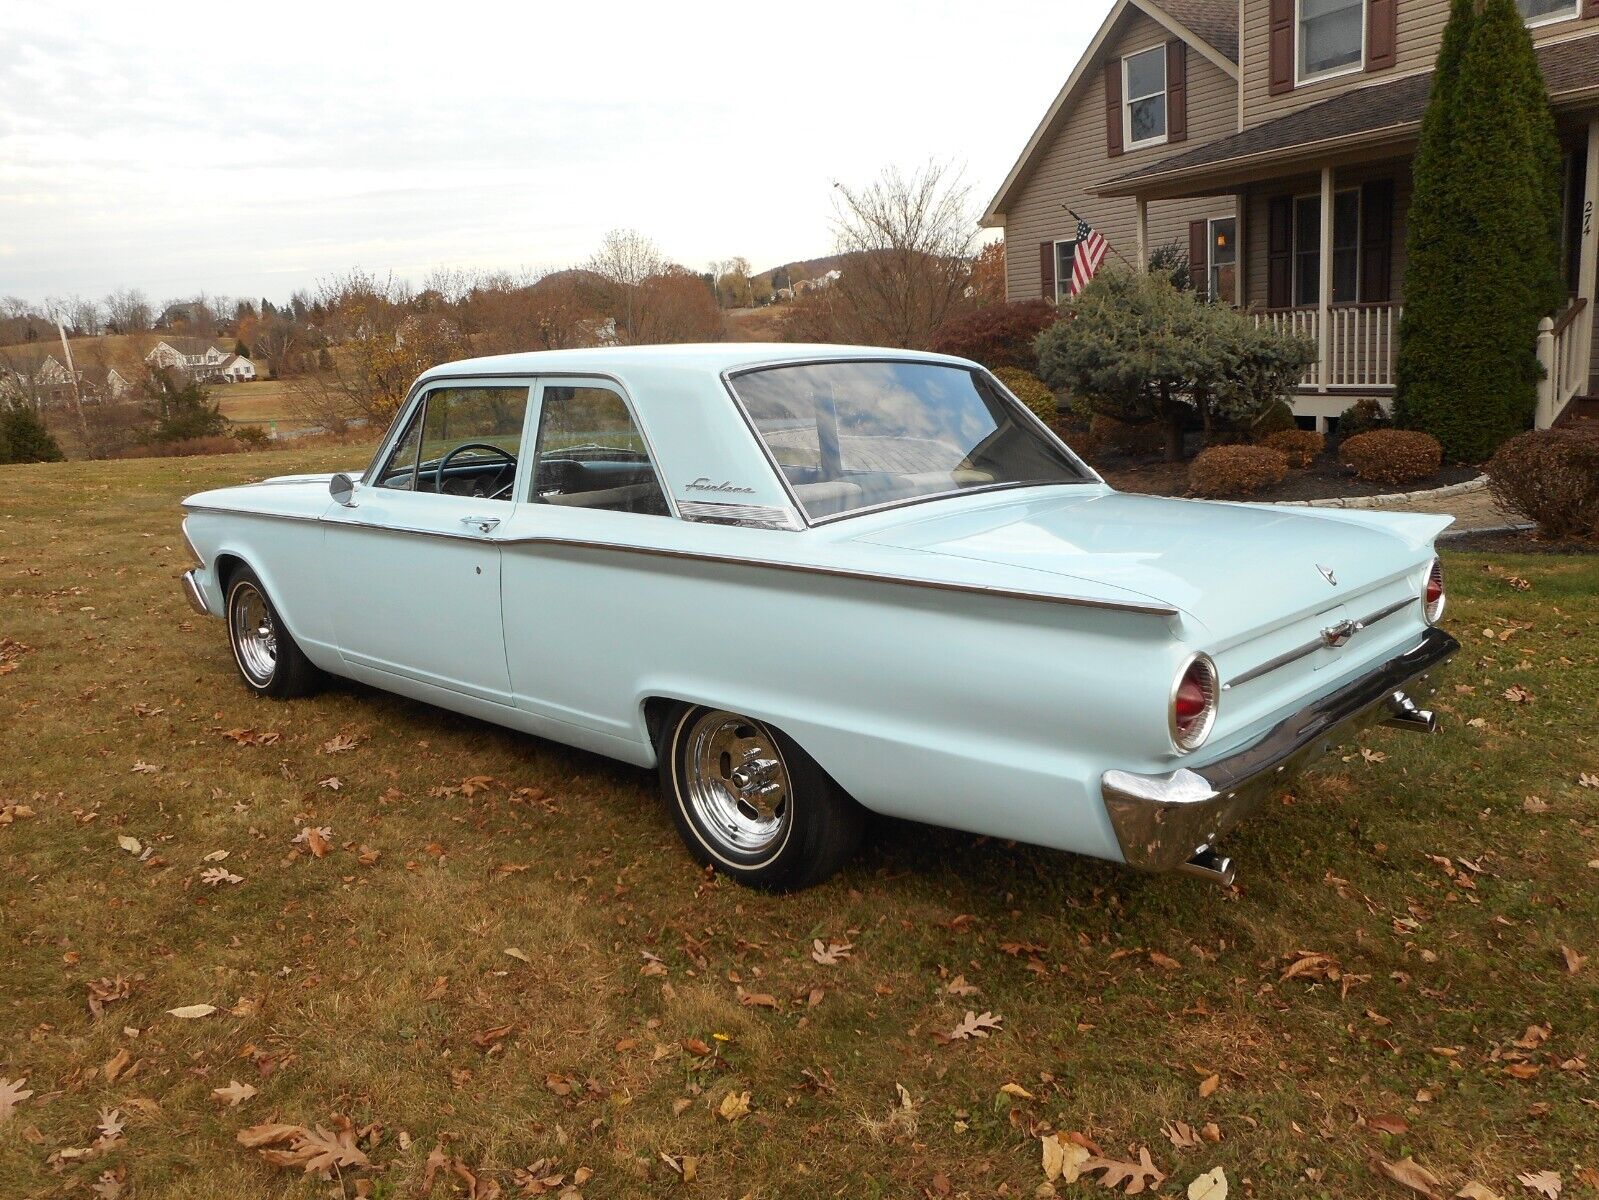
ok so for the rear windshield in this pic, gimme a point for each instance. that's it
(855, 435)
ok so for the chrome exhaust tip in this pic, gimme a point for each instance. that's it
(1403, 714)
(1207, 864)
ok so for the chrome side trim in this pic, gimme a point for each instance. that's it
(975, 589)
(760, 516)
(245, 512)
(1309, 648)
(1155, 610)
(1164, 821)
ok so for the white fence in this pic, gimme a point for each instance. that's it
(1362, 342)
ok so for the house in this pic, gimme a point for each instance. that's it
(1273, 140)
(35, 376)
(201, 360)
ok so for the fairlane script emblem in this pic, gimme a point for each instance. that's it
(703, 484)
(1327, 574)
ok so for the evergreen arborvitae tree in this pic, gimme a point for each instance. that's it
(1483, 242)
(23, 437)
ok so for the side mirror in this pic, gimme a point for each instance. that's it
(342, 488)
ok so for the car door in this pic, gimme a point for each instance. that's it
(590, 477)
(414, 565)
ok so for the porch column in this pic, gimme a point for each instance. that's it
(1241, 240)
(1324, 317)
(1142, 239)
(1588, 265)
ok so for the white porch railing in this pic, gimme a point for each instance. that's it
(1563, 348)
(1363, 340)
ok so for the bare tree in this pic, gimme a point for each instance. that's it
(625, 259)
(906, 243)
(127, 311)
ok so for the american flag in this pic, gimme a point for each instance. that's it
(1087, 256)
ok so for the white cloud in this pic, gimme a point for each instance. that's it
(256, 155)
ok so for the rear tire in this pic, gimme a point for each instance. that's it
(269, 661)
(749, 802)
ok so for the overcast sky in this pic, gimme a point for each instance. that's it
(260, 149)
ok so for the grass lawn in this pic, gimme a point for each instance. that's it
(258, 403)
(500, 960)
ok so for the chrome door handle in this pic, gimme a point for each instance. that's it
(482, 524)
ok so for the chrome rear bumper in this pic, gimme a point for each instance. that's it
(1165, 822)
(194, 593)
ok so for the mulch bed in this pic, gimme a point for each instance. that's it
(1324, 479)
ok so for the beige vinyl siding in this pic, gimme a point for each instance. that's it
(1421, 26)
(1074, 160)
(1257, 228)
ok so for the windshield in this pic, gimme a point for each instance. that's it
(855, 435)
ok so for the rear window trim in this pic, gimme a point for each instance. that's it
(1090, 476)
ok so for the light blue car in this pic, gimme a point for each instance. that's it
(808, 581)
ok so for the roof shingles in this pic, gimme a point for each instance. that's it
(1214, 20)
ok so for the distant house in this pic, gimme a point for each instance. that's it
(39, 378)
(201, 360)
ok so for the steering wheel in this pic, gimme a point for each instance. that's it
(510, 461)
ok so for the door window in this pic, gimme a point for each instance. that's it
(591, 454)
(461, 441)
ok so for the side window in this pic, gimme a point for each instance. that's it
(590, 454)
(460, 441)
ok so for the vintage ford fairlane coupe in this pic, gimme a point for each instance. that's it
(805, 582)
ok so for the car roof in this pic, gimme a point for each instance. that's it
(713, 357)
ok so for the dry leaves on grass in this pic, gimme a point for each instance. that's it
(1063, 1159)
(251, 737)
(830, 954)
(342, 743)
(12, 1093)
(1574, 961)
(107, 990)
(314, 1150)
(1588, 781)
(192, 1012)
(1544, 1183)
(10, 813)
(1477, 1191)
(733, 1106)
(234, 1094)
(318, 839)
(1407, 1172)
(216, 876)
(1130, 1178)
(959, 987)
(1212, 1185)
(1517, 694)
(974, 1025)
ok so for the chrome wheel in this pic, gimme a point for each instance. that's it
(735, 783)
(255, 633)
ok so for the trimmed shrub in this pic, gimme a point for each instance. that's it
(1031, 391)
(1391, 455)
(252, 437)
(1300, 447)
(1223, 471)
(1278, 418)
(1550, 476)
(23, 437)
(1000, 335)
(1121, 437)
(1361, 417)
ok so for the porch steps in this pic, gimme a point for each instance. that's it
(1581, 412)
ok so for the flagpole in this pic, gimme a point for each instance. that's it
(1113, 249)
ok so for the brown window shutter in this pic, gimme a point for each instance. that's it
(1382, 33)
(1113, 106)
(1282, 46)
(1176, 91)
(1199, 255)
(1046, 270)
(1590, 8)
(1280, 253)
(1377, 241)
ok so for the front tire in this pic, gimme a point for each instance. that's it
(749, 802)
(269, 661)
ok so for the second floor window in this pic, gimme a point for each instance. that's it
(1332, 37)
(1541, 12)
(1144, 86)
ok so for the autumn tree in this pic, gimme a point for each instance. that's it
(625, 259)
(677, 305)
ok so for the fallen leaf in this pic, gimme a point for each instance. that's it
(517, 954)
(1063, 1160)
(1517, 694)
(1411, 1174)
(1212, 1185)
(110, 1126)
(1545, 1183)
(1181, 1134)
(12, 1093)
(1016, 1089)
(959, 987)
(130, 844)
(216, 876)
(144, 768)
(1588, 781)
(116, 1064)
(733, 1106)
(830, 954)
(1208, 1086)
(1131, 1177)
(1574, 961)
(234, 1094)
(1476, 1191)
(756, 999)
(341, 744)
(190, 1012)
(975, 1025)
(1164, 961)
(1389, 1123)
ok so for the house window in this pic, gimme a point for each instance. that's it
(1065, 260)
(1543, 12)
(1332, 37)
(1223, 281)
(1144, 85)
(1346, 249)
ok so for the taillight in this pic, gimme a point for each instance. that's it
(1193, 703)
(1433, 594)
